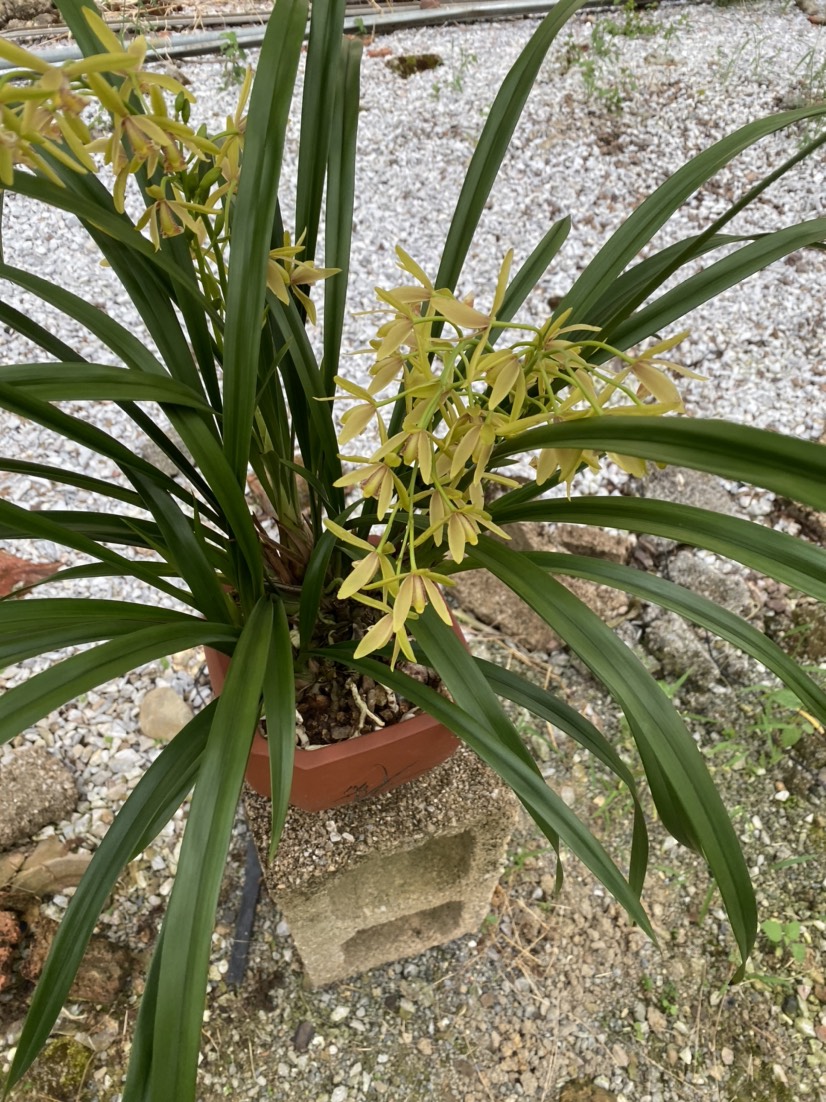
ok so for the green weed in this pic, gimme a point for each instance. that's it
(234, 57)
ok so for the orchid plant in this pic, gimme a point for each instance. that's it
(380, 493)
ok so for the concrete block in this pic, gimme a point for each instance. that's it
(391, 876)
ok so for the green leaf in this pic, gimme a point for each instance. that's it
(321, 77)
(550, 812)
(641, 281)
(312, 587)
(310, 408)
(550, 708)
(137, 1085)
(17, 523)
(91, 382)
(99, 527)
(34, 332)
(252, 222)
(72, 13)
(467, 684)
(198, 432)
(526, 279)
(71, 478)
(341, 186)
(776, 554)
(279, 708)
(773, 930)
(715, 279)
(186, 549)
(116, 337)
(679, 779)
(652, 214)
(190, 916)
(791, 467)
(114, 230)
(35, 627)
(707, 614)
(634, 287)
(25, 704)
(16, 400)
(150, 806)
(494, 140)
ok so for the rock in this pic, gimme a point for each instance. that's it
(679, 651)
(493, 603)
(685, 487)
(163, 714)
(727, 590)
(60, 1071)
(580, 539)
(35, 789)
(20, 11)
(809, 624)
(656, 1020)
(304, 1033)
(490, 601)
(103, 972)
(585, 1090)
(47, 869)
(10, 934)
(10, 865)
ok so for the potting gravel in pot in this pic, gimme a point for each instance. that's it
(354, 739)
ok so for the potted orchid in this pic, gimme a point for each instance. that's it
(378, 494)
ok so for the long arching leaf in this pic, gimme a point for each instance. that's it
(713, 280)
(27, 703)
(549, 707)
(791, 467)
(150, 806)
(341, 188)
(80, 481)
(279, 708)
(190, 916)
(252, 222)
(550, 813)
(700, 610)
(92, 382)
(321, 77)
(776, 554)
(18, 523)
(37, 627)
(494, 140)
(676, 771)
(652, 214)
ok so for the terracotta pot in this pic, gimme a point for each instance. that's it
(354, 769)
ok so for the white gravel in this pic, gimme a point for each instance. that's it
(761, 345)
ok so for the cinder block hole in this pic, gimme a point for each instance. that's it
(401, 881)
(403, 936)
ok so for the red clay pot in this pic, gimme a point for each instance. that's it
(355, 769)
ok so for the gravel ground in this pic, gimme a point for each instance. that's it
(549, 993)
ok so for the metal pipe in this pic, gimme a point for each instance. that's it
(193, 45)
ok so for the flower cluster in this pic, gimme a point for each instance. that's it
(461, 396)
(187, 178)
